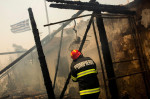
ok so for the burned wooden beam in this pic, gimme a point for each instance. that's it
(94, 4)
(43, 64)
(75, 2)
(103, 8)
(69, 2)
(107, 58)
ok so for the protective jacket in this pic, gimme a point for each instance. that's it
(83, 71)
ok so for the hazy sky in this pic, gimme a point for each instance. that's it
(14, 11)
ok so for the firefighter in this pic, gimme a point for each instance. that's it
(83, 71)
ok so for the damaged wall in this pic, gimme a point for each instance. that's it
(143, 25)
(123, 48)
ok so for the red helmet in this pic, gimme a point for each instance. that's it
(75, 54)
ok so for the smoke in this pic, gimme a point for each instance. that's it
(18, 47)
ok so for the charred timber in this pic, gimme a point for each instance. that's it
(104, 8)
(72, 2)
(94, 4)
(107, 58)
(81, 3)
(43, 64)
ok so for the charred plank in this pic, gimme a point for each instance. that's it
(104, 8)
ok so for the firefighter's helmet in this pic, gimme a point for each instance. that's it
(75, 54)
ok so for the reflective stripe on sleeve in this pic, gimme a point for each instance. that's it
(86, 72)
(73, 78)
(89, 91)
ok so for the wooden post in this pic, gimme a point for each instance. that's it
(107, 58)
(45, 72)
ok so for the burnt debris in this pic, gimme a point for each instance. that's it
(90, 6)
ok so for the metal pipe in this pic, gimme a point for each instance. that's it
(59, 52)
(47, 16)
(67, 20)
(5, 53)
(95, 15)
